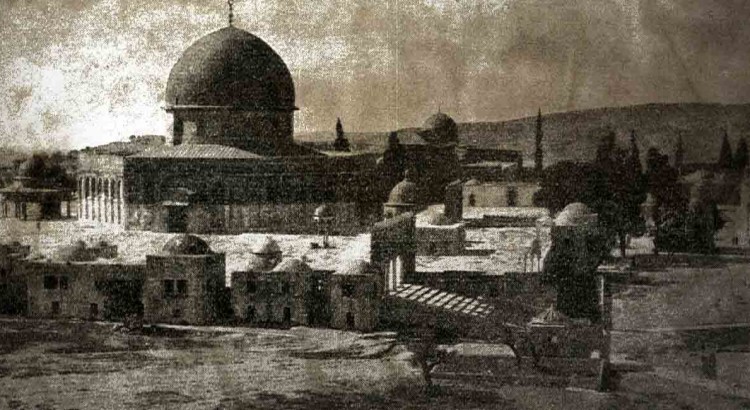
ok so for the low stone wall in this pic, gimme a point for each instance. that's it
(239, 218)
(441, 240)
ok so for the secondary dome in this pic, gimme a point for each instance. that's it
(440, 128)
(186, 245)
(324, 212)
(269, 246)
(405, 192)
(573, 214)
(355, 267)
(231, 68)
(293, 265)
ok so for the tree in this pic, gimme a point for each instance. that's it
(662, 181)
(606, 147)
(566, 182)
(340, 143)
(634, 160)
(539, 152)
(618, 203)
(426, 354)
(741, 156)
(725, 155)
(679, 155)
(50, 171)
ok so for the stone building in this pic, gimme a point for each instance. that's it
(571, 264)
(12, 282)
(356, 294)
(393, 250)
(185, 284)
(100, 178)
(232, 165)
(84, 283)
(28, 198)
(430, 156)
(290, 294)
(509, 192)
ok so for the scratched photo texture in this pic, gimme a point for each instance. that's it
(422, 204)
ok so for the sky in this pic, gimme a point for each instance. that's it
(77, 73)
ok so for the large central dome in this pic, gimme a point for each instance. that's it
(231, 68)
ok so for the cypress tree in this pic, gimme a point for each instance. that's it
(741, 156)
(679, 155)
(340, 143)
(539, 153)
(725, 155)
(635, 155)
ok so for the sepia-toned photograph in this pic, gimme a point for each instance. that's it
(357, 204)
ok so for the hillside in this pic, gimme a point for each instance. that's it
(574, 135)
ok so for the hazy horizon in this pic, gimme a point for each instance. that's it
(78, 73)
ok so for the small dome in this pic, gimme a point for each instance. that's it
(355, 267)
(440, 128)
(258, 263)
(231, 68)
(405, 192)
(550, 316)
(545, 221)
(186, 245)
(269, 246)
(75, 252)
(293, 265)
(650, 200)
(323, 212)
(472, 182)
(438, 219)
(573, 214)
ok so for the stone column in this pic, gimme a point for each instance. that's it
(90, 199)
(85, 197)
(105, 197)
(112, 193)
(121, 211)
(99, 199)
(80, 197)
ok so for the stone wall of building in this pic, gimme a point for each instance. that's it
(100, 189)
(269, 298)
(254, 217)
(184, 289)
(79, 289)
(355, 302)
(12, 283)
(500, 194)
(441, 239)
(240, 129)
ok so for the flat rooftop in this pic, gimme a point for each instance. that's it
(491, 251)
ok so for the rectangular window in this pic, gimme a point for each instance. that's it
(372, 291)
(285, 288)
(50, 282)
(55, 307)
(63, 282)
(347, 290)
(252, 286)
(168, 288)
(182, 288)
(512, 196)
